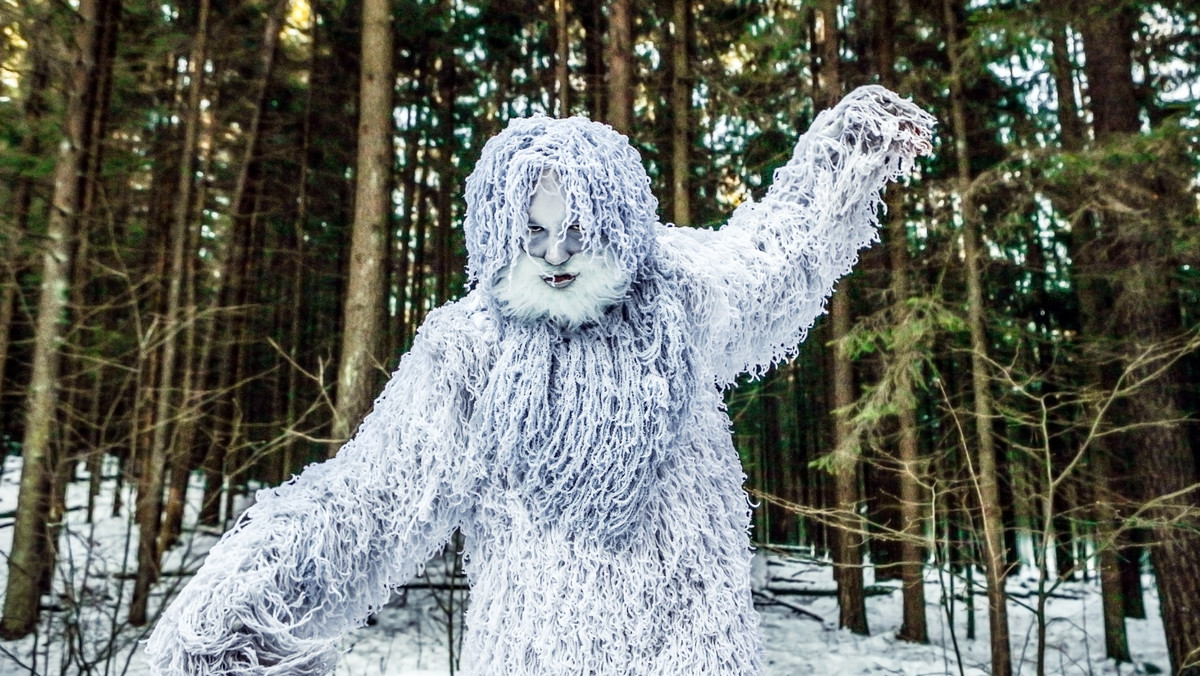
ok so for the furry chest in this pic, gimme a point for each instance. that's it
(577, 428)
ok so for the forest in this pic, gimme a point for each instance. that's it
(223, 221)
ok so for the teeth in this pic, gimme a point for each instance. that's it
(558, 281)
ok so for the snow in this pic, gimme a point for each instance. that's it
(410, 636)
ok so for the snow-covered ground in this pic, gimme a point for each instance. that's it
(410, 637)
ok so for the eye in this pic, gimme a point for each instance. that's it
(535, 228)
(574, 227)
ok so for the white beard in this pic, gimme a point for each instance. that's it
(523, 294)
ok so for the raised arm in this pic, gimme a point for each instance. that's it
(312, 558)
(761, 280)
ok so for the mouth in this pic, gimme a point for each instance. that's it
(559, 281)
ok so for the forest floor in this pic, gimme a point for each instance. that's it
(84, 624)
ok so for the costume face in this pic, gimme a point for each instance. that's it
(550, 237)
(556, 175)
(557, 278)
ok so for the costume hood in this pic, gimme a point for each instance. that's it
(601, 177)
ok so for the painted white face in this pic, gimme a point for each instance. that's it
(550, 237)
(556, 278)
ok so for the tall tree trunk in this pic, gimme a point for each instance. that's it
(592, 20)
(912, 496)
(562, 53)
(178, 457)
(8, 298)
(773, 463)
(366, 293)
(149, 507)
(985, 474)
(28, 561)
(1112, 600)
(1071, 137)
(847, 550)
(1108, 43)
(401, 267)
(444, 256)
(619, 57)
(681, 105)
(89, 380)
(1132, 252)
(75, 442)
(232, 294)
(22, 198)
(289, 463)
(184, 455)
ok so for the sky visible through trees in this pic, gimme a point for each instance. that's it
(222, 221)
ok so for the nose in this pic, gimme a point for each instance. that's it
(556, 252)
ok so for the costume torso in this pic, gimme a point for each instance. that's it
(610, 533)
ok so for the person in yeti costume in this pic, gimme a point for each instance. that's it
(566, 416)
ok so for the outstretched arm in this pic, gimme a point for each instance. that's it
(312, 558)
(761, 280)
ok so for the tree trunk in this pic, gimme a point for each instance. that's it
(562, 53)
(619, 57)
(1116, 642)
(296, 240)
(847, 550)
(75, 442)
(1116, 639)
(1130, 250)
(913, 496)
(419, 285)
(780, 521)
(22, 196)
(89, 379)
(681, 106)
(401, 268)
(847, 553)
(8, 297)
(29, 560)
(1176, 551)
(444, 256)
(149, 507)
(232, 295)
(984, 473)
(1129, 562)
(592, 20)
(180, 281)
(366, 291)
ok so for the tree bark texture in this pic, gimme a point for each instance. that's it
(363, 319)
(848, 537)
(22, 199)
(850, 530)
(591, 17)
(681, 107)
(1131, 251)
(562, 53)
(232, 296)
(29, 560)
(985, 474)
(177, 326)
(445, 259)
(619, 57)
(912, 496)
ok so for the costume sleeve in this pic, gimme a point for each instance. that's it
(311, 559)
(758, 283)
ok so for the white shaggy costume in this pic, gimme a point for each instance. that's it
(586, 458)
